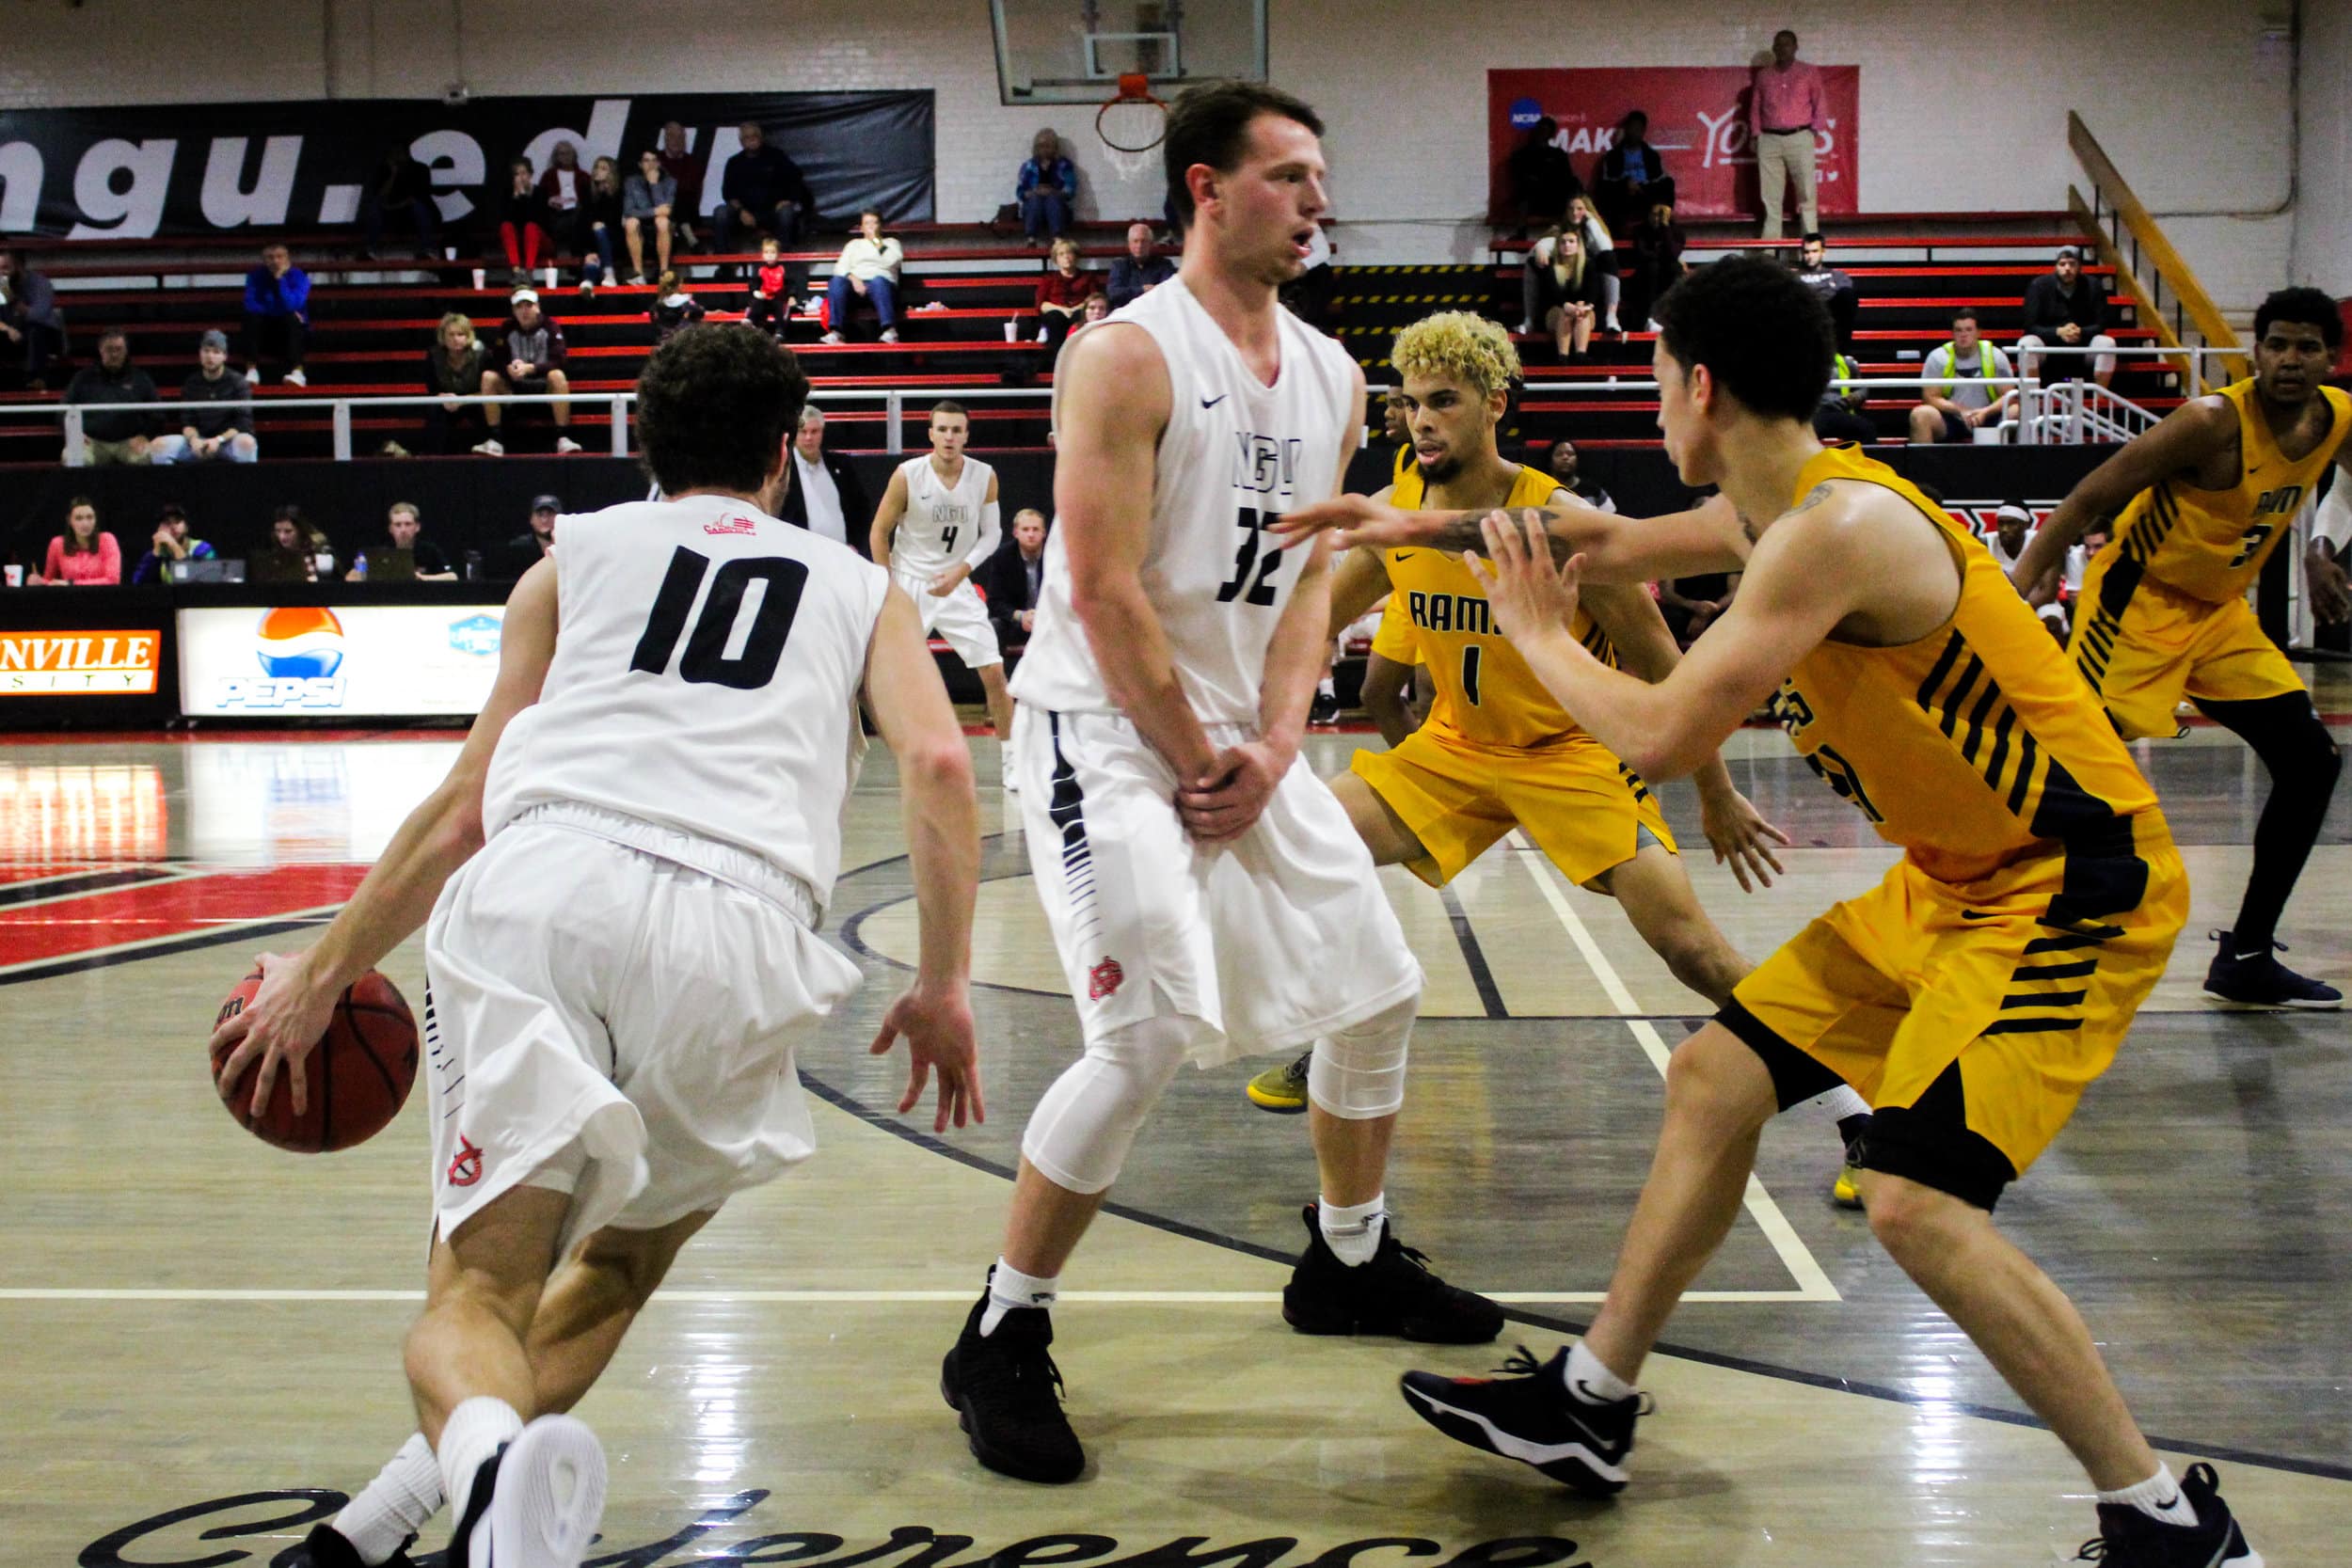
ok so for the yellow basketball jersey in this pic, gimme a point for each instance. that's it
(1485, 693)
(2211, 544)
(1977, 744)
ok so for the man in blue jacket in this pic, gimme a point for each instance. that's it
(276, 315)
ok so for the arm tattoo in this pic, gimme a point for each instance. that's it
(1462, 531)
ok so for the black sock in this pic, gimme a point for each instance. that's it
(2286, 732)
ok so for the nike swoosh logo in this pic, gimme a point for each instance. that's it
(1212, 402)
(1404, 555)
(1979, 914)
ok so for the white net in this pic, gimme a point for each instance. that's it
(1131, 129)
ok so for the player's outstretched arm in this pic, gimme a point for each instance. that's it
(2182, 439)
(1616, 548)
(943, 827)
(886, 517)
(289, 1013)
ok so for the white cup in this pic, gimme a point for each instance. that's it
(550, 273)
(1012, 331)
(1988, 436)
(15, 576)
(481, 277)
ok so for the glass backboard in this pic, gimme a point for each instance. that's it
(1075, 51)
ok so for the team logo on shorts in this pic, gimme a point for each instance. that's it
(465, 1170)
(1105, 979)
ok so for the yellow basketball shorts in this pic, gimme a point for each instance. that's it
(1578, 803)
(2165, 645)
(1971, 1015)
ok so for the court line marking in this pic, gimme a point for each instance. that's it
(223, 931)
(1091, 1298)
(1813, 1284)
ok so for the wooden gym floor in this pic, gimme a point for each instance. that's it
(201, 1333)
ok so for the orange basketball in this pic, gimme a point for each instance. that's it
(359, 1075)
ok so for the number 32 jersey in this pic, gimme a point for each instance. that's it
(1235, 456)
(708, 662)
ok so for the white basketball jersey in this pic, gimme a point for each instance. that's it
(1236, 455)
(941, 524)
(708, 662)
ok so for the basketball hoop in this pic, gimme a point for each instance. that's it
(1132, 125)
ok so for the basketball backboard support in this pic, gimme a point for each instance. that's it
(1075, 51)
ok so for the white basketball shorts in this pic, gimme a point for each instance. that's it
(961, 617)
(1268, 942)
(583, 992)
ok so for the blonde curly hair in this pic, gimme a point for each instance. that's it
(1459, 346)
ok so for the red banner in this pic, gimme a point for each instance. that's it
(1698, 122)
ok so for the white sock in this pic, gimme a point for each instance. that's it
(473, 1433)
(1325, 689)
(1008, 1289)
(1589, 1380)
(1353, 1230)
(2159, 1497)
(397, 1504)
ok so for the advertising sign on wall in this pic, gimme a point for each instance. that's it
(353, 660)
(71, 663)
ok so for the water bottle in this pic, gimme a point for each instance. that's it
(359, 568)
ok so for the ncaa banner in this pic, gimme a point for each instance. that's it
(183, 169)
(1698, 122)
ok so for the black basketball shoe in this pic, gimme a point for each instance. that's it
(327, 1548)
(2258, 979)
(1395, 1293)
(2130, 1539)
(1530, 1417)
(1007, 1394)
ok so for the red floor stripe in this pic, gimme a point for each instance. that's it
(178, 908)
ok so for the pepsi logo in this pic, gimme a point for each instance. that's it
(299, 643)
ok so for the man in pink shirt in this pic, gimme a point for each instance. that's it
(1787, 108)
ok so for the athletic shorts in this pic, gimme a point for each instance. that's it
(1578, 803)
(1268, 943)
(1969, 1020)
(1394, 639)
(624, 1020)
(2161, 644)
(959, 617)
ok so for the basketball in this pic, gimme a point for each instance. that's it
(359, 1075)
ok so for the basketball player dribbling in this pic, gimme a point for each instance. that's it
(2200, 502)
(622, 961)
(936, 525)
(1206, 893)
(1972, 995)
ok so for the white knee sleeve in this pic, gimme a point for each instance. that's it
(1081, 1131)
(1359, 1072)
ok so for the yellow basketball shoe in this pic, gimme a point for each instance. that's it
(1843, 1193)
(1282, 1089)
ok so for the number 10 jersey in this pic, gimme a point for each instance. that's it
(1236, 455)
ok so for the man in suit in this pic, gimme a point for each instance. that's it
(825, 495)
(1013, 579)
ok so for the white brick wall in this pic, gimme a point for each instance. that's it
(1963, 104)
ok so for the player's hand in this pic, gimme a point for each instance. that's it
(280, 1026)
(1530, 597)
(940, 1035)
(1225, 801)
(944, 586)
(1703, 615)
(1358, 520)
(2331, 589)
(1741, 837)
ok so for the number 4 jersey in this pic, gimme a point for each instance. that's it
(1236, 454)
(708, 662)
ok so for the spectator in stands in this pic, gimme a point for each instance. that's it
(1600, 246)
(1785, 109)
(1141, 270)
(1061, 293)
(2065, 309)
(533, 366)
(301, 547)
(673, 309)
(868, 269)
(686, 169)
(30, 320)
(112, 438)
(1631, 178)
(458, 366)
(650, 197)
(769, 306)
(602, 212)
(219, 419)
(1958, 400)
(529, 547)
(563, 200)
(404, 529)
(404, 188)
(170, 543)
(1835, 289)
(1839, 416)
(1561, 463)
(1652, 265)
(1543, 180)
(85, 555)
(825, 495)
(1396, 428)
(522, 214)
(1564, 292)
(276, 315)
(765, 192)
(1690, 605)
(1045, 189)
(1012, 580)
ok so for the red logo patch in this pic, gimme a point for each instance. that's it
(1105, 979)
(465, 1170)
(732, 525)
